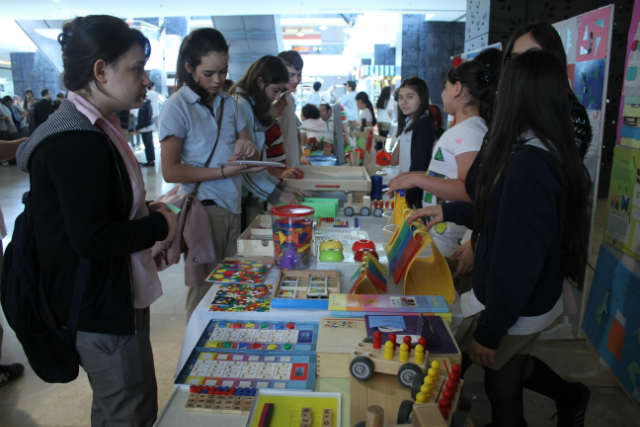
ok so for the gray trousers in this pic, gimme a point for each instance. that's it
(122, 376)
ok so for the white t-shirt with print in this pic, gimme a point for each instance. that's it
(462, 138)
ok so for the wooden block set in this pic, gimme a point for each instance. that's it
(306, 418)
(216, 400)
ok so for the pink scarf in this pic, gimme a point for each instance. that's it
(146, 283)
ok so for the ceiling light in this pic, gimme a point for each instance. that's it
(300, 34)
(323, 27)
(429, 16)
(5, 62)
(50, 33)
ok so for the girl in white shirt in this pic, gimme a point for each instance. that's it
(366, 110)
(468, 94)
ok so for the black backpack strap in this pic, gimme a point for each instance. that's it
(76, 300)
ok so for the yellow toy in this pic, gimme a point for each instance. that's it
(388, 350)
(420, 354)
(404, 352)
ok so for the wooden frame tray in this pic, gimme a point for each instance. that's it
(301, 301)
(332, 178)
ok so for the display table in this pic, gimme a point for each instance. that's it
(174, 413)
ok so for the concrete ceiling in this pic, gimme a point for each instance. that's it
(65, 9)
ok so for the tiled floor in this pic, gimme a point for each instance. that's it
(31, 402)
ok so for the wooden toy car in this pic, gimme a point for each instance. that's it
(362, 205)
(365, 360)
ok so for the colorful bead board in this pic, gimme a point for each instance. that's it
(260, 370)
(220, 400)
(242, 298)
(269, 336)
(241, 271)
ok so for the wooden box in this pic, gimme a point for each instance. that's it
(332, 178)
(261, 226)
(301, 301)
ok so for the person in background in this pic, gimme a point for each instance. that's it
(8, 373)
(275, 145)
(367, 115)
(156, 101)
(43, 108)
(382, 111)
(146, 127)
(88, 199)
(22, 114)
(348, 101)
(60, 96)
(27, 94)
(188, 129)
(329, 97)
(314, 97)
(289, 121)
(31, 117)
(314, 127)
(11, 119)
(123, 116)
(55, 104)
(416, 135)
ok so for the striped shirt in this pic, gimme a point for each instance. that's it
(275, 146)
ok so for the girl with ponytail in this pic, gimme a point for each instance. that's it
(468, 94)
(366, 110)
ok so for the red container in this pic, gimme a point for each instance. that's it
(363, 244)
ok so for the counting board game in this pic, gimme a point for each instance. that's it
(256, 336)
(260, 370)
(242, 298)
(241, 271)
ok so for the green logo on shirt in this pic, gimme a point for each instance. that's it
(439, 157)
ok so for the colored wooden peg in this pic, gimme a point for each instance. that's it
(377, 339)
(404, 352)
(388, 350)
(419, 354)
(407, 341)
(392, 338)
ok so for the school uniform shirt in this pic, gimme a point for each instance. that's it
(262, 185)
(185, 116)
(462, 138)
(7, 125)
(314, 99)
(23, 121)
(154, 97)
(348, 102)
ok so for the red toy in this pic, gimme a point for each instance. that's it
(377, 339)
(407, 341)
(392, 338)
(383, 158)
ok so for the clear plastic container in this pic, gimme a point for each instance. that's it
(292, 227)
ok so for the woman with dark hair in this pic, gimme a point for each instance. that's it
(534, 180)
(382, 111)
(259, 87)
(366, 110)
(189, 134)
(468, 95)
(89, 210)
(416, 134)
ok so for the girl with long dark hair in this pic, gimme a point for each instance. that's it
(88, 204)
(530, 232)
(415, 134)
(188, 134)
(366, 110)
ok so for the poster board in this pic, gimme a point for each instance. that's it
(625, 182)
(587, 42)
(612, 319)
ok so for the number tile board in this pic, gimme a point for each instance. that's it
(277, 355)
(259, 369)
(265, 336)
